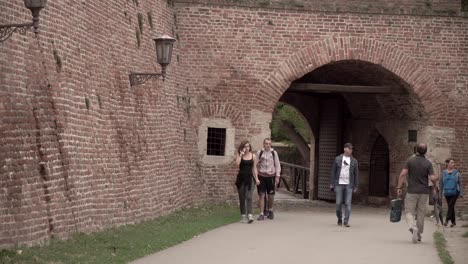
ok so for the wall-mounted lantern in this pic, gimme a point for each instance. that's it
(164, 45)
(35, 6)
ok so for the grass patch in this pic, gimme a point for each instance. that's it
(441, 245)
(465, 225)
(465, 234)
(127, 243)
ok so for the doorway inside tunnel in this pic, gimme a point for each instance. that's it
(379, 168)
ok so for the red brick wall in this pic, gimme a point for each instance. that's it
(66, 168)
(414, 7)
(248, 56)
(132, 155)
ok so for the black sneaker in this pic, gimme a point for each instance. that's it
(340, 222)
(271, 216)
(261, 217)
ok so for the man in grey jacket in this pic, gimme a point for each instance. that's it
(344, 181)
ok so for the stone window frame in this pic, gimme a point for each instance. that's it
(218, 134)
(203, 140)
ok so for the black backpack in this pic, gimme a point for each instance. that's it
(272, 153)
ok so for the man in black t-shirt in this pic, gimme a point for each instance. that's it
(419, 170)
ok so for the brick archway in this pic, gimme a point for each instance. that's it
(334, 49)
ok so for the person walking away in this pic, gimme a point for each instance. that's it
(418, 170)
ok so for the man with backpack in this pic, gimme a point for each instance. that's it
(419, 170)
(269, 170)
(451, 187)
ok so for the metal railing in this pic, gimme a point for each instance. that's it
(297, 177)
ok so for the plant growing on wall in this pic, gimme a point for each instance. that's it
(58, 60)
(87, 103)
(138, 37)
(150, 19)
(140, 22)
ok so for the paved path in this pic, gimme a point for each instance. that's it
(457, 244)
(306, 236)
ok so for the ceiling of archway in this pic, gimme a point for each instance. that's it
(367, 105)
(353, 72)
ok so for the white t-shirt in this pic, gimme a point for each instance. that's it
(344, 173)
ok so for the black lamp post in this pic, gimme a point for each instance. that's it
(35, 6)
(164, 45)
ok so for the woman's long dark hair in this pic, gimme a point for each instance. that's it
(242, 144)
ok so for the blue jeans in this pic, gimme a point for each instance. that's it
(346, 191)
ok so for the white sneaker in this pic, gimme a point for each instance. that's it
(250, 218)
(243, 219)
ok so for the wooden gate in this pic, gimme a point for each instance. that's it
(329, 142)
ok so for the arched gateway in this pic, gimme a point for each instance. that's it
(350, 88)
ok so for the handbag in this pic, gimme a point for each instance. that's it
(395, 211)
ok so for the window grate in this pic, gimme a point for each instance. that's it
(412, 135)
(216, 141)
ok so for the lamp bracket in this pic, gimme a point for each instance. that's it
(141, 78)
(7, 30)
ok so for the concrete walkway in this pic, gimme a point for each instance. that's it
(306, 236)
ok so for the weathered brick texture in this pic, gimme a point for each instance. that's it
(65, 168)
(414, 7)
(81, 150)
(247, 55)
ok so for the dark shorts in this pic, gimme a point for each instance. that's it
(267, 185)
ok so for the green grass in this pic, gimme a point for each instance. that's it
(126, 243)
(465, 234)
(441, 245)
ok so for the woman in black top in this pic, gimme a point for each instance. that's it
(247, 162)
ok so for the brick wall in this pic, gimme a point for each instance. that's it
(414, 7)
(81, 150)
(127, 157)
(247, 56)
